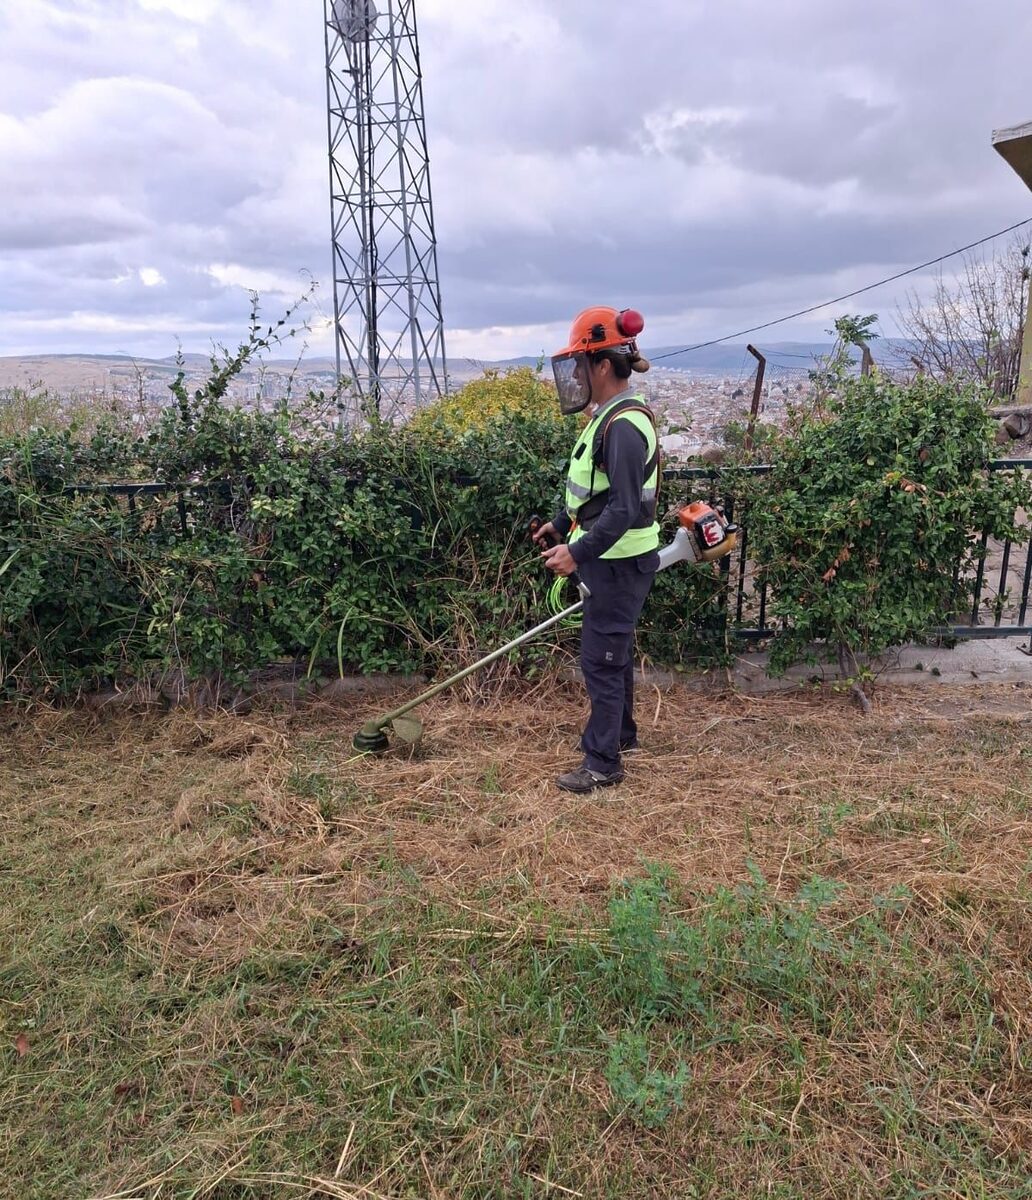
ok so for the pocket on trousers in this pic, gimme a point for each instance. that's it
(606, 651)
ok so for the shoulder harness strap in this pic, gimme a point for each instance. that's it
(599, 444)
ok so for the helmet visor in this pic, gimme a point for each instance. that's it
(571, 381)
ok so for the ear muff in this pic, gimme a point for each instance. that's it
(629, 322)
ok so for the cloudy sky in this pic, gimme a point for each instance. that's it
(713, 164)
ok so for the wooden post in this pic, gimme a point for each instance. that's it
(757, 390)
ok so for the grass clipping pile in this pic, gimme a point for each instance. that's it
(790, 955)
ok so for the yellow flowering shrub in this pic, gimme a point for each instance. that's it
(519, 391)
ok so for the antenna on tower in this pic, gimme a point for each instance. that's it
(386, 298)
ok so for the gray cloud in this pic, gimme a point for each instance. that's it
(717, 165)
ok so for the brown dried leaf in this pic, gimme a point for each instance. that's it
(237, 1105)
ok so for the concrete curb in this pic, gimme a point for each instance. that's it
(978, 661)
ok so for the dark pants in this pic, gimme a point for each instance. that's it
(618, 589)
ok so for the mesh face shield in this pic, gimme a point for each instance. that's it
(571, 382)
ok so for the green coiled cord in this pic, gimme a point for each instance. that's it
(555, 604)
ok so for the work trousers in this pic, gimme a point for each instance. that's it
(618, 589)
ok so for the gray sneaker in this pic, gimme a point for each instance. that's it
(584, 780)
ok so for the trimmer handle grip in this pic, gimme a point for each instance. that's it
(552, 539)
(535, 523)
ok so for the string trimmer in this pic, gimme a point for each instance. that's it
(703, 535)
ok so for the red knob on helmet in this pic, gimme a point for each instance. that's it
(630, 322)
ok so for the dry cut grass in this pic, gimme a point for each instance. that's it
(790, 956)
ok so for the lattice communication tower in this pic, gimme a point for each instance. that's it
(386, 298)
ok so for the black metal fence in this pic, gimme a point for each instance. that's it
(135, 496)
(999, 599)
(1000, 596)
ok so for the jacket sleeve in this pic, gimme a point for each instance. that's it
(626, 451)
(562, 522)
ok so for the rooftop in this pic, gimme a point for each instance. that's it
(1015, 145)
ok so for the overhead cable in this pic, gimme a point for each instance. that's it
(848, 296)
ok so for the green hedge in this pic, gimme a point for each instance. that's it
(387, 551)
(871, 521)
(404, 549)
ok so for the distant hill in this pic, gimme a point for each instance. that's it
(730, 356)
(68, 372)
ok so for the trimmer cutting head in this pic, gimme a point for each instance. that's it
(370, 739)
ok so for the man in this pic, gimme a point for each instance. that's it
(610, 522)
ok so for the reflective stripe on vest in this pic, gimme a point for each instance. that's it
(585, 480)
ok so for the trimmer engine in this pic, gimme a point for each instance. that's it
(712, 533)
(705, 535)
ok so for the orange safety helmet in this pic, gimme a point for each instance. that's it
(594, 329)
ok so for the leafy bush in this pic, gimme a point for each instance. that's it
(869, 525)
(282, 538)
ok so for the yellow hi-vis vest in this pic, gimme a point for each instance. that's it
(587, 482)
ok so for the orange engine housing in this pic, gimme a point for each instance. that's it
(713, 535)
